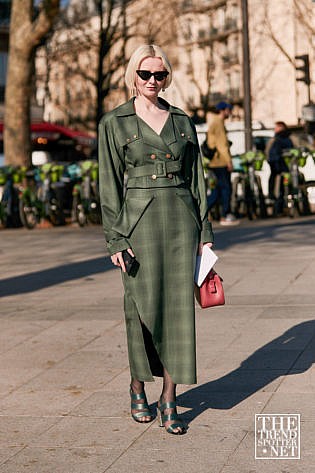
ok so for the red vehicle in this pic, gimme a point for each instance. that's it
(56, 143)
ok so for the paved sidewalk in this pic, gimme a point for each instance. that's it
(64, 402)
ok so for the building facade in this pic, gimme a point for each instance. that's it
(203, 39)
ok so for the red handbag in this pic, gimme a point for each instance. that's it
(210, 293)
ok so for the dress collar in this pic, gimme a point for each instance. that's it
(128, 109)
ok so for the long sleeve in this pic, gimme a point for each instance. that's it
(198, 190)
(111, 184)
(217, 137)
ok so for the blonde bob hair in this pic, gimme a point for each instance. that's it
(142, 52)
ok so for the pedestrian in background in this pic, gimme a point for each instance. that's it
(274, 149)
(162, 220)
(221, 164)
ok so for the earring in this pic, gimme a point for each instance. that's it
(163, 90)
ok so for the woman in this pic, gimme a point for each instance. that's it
(161, 220)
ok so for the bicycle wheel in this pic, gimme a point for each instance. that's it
(78, 211)
(310, 195)
(238, 204)
(94, 213)
(259, 199)
(55, 212)
(28, 213)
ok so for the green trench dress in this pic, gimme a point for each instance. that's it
(161, 213)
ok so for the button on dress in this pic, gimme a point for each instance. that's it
(162, 215)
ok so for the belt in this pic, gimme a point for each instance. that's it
(155, 170)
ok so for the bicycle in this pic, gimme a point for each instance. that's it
(247, 195)
(86, 204)
(10, 176)
(38, 199)
(295, 199)
(30, 206)
(310, 185)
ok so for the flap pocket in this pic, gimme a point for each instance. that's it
(130, 214)
(187, 200)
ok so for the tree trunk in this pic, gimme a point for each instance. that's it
(25, 35)
(17, 143)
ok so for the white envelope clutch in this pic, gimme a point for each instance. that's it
(204, 264)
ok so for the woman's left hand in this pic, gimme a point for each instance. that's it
(201, 246)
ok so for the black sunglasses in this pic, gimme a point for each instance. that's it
(146, 75)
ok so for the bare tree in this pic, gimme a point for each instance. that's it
(86, 56)
(25, 34)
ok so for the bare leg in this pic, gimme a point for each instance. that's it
(137, 387)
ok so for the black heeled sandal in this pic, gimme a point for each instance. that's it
(171, 429)
(141, 407)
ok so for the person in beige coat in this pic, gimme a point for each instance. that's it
(221, 164)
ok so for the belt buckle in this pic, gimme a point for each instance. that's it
(160, 169)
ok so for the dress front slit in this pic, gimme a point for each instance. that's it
(159, 299)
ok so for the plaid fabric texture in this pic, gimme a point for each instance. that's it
(162, 293)
(162, 220)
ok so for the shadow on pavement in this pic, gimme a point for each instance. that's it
(30, 282)
(291, 353)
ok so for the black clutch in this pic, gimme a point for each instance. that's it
(131, 264)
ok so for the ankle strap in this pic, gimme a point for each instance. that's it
(168, 405)
(137, 397)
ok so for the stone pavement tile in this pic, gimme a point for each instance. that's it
(107, 403)
(249, 299)
(122, 381)
(221, 406)
(44, 313)
(108, 360)
(18, 431)
(41, 403)
(293, 312)
(285, 334)
(7, 452)
(243, 461)
(296, 299)
(109, 432)
(93, 377)
(61, 460)
(261, 280)
(12, 378)
(239, 380)
(261, 359)
(14, 332)
(307, 437)
(299, 381)
(111, 309)
(203, 449)
(225, 319)
(307, 358)
(114, 339)
(12, 307)
(53, 344)
(292, 403)
(228, 314)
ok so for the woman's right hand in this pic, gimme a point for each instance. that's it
(118, 260)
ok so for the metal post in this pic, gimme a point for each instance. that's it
(246, 79)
